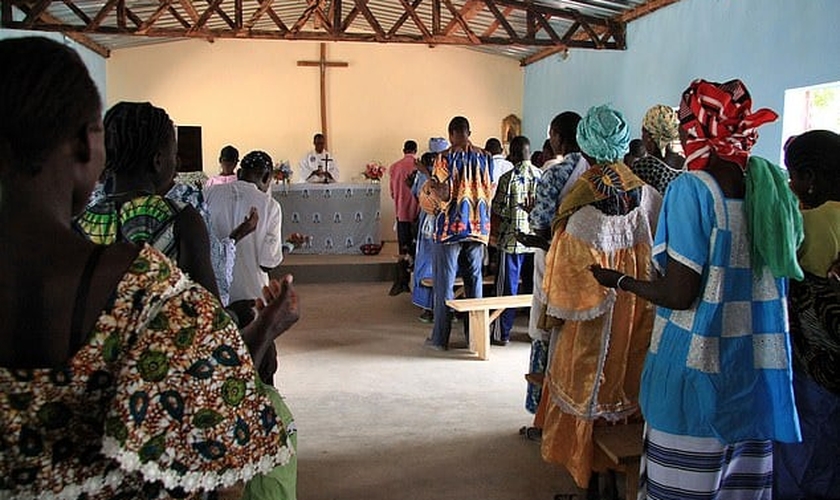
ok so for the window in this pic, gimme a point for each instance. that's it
(809, 108)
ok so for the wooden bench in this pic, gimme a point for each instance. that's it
(622, 444)
(480, 317)
(458, 285)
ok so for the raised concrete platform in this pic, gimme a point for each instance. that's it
(341, 268)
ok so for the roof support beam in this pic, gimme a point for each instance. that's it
(463, 22)
(501, 19)
(410, 12)
(161, 9)
(319, 20)
(467, 12)
(371, 19)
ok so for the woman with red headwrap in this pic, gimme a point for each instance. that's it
(716, 387)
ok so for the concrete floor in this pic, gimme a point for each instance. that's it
(379, 417)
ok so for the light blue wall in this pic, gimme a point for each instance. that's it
(94, 62)
(772, 45)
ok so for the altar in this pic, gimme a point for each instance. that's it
(340, 218)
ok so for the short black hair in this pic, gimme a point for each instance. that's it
(517, 145)
(134, 133)
(229, 153)
(317, 136)
(637, 148)
(46, 97)
(818, 151)
(410, 147)
(428, 159)
(493, 146)
(459, 124)
(565, 125)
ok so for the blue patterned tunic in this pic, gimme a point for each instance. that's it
(466, 217)
(722, 368)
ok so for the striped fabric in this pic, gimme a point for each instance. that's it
(145, 219)
(691, 468)
(718, 117)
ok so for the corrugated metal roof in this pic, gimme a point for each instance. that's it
(178, 14)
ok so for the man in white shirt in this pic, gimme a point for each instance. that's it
(318, 165)
(229, 204)
(500, 164)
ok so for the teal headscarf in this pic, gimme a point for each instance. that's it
(603, 134)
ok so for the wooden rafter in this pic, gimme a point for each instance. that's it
(501, 20)
(161, 9)
(371, 19)
(205, 16)
(466, 13)
(222, 14)
(410, 12)
(190, 10)
(36, 11)
(432, 22)
(462, 22)
(76, 10)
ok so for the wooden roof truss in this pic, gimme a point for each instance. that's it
(431, 22)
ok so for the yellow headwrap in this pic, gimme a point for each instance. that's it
(663, 125)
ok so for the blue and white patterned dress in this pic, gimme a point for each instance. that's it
(723, 367)
(716, 386)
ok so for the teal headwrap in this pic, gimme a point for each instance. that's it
(603, 134)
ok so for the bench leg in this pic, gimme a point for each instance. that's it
(480, 333)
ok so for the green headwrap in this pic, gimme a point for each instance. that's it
(603, 134)
(774, 219)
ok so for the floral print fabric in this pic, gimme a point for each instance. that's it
(163, 395)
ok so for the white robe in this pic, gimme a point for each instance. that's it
(312, 161)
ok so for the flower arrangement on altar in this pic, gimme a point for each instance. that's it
(282, 171)
(374, 171)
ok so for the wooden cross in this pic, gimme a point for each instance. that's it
(323, 64)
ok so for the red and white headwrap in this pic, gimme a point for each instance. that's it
(717, 117)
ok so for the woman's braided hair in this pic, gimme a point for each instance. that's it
(134, 133)
(46, 97)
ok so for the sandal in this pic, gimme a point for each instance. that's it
(531, 433)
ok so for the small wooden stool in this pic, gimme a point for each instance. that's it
(622, 444)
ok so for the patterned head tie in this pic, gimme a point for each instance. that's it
(257, 160)
(663, 125)
(438, 144)
(603, 134)
(718, 117)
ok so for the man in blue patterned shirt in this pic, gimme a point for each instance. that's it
(462, 183)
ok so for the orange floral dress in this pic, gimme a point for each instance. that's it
(608, 219)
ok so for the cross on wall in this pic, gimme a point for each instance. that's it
(322, 63)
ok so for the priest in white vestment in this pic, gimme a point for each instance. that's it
(318, 166)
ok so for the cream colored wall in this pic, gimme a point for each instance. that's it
(252, 94)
